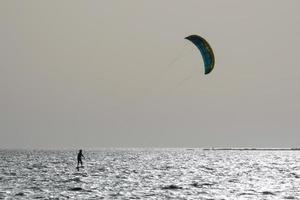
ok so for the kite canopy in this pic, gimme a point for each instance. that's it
(206, 51)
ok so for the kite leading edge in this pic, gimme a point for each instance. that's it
(206, 52)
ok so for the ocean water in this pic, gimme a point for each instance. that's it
(150, 174)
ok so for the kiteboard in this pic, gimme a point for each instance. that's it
(79, 167)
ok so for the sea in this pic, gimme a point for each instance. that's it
(150, 174)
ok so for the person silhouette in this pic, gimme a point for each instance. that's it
(79, 158)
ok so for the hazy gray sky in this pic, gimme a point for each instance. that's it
(109, 74)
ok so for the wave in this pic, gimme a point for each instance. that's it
(171, 187)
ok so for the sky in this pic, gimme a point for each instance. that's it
(93, 74)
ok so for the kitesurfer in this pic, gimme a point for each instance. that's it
(79, 158)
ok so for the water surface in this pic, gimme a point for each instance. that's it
(150, 174)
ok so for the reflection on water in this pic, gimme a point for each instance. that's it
(151, 174)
